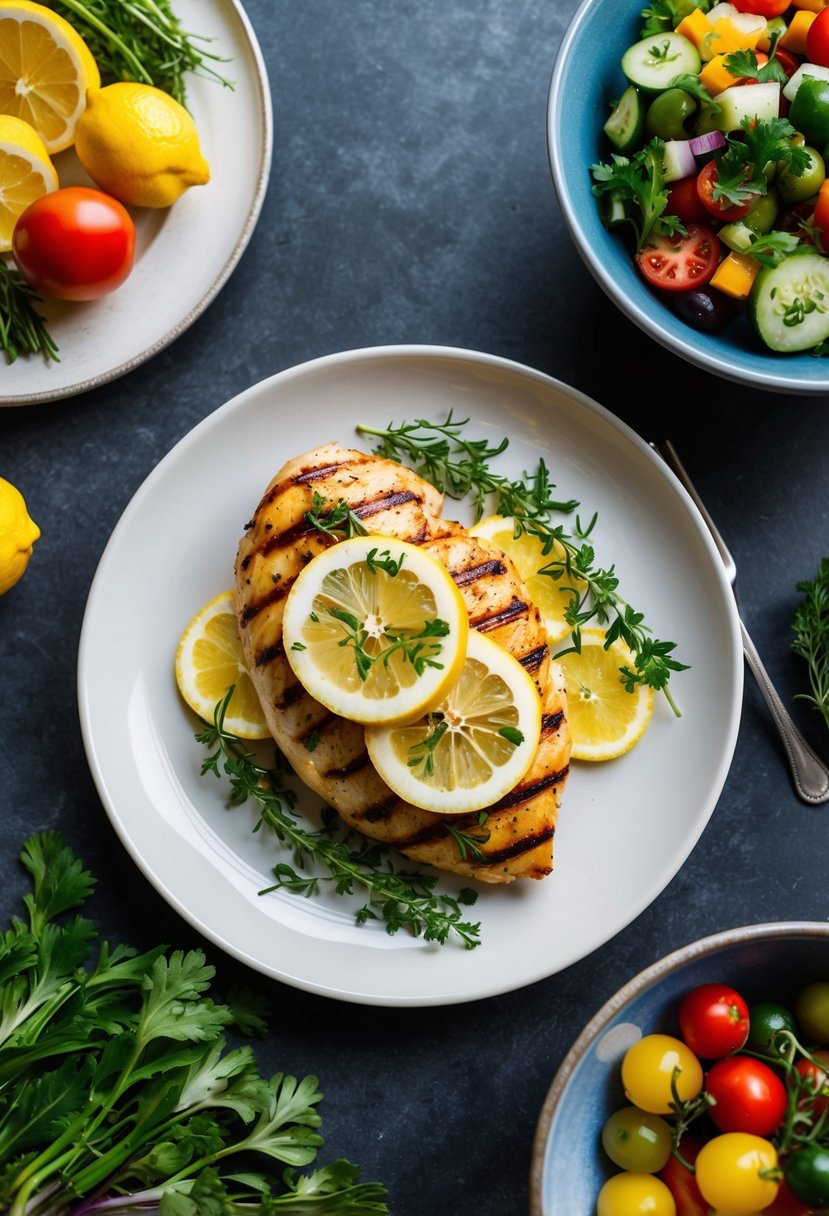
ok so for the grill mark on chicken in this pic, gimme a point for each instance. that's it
(471, 574)
(354, 765)
(525, 793)
(316, 474)
(524, 844)
(290, 696)
(491, 620)
(384, 502)
(380, 810)
(278, 592)
(534, 658)
(268, 654)
(317, 728)
(551, 722)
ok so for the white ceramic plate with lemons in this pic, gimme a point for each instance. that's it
(192, 246)
(625, 827)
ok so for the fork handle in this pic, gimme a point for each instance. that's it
(810, 774)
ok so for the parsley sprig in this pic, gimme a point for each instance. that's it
(639, 181)
(741, 168)
(336, 520)
(811, 637)
(401, 899)
(118, 1093)
(665, 15)
(458, 466)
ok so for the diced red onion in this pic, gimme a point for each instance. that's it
(704, 146)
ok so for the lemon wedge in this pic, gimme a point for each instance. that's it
(375, 629)
(605, 719)
(45, 71)
(26, 173)
(551, 596)
(18, 533)
(209, 659)
(474, 745)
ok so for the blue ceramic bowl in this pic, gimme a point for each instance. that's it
(763, 962)
(586, 78)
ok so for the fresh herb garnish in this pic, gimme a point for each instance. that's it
(453, 462)
(402, 900)
(419, 648)
(23, 330)
(741, 168)
(811, 637)
(639, 180)
(424, 751)
(512, 735)
(117, 1091)
(745, 66)
(665, 15)
(689, 83)
(468, 843)
(338, 521)
(771, 248)
(140, 40)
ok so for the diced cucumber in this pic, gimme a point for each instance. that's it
(742, 102)
(626, 126)
(737, 236)
(789, 303)
(796, 79)
(654, 62)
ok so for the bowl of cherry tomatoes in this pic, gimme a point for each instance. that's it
(701, 1087)
(689, 151)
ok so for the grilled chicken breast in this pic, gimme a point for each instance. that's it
(394, 501)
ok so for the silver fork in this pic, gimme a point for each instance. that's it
(809, 774)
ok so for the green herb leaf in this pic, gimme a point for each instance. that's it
(811, 637)
(640, 180)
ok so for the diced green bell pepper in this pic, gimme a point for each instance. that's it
(809, 112)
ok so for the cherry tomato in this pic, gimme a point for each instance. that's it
(653, 1065)
(816, 1096)
(730, 1173)
(763, 8)
(636, 1140)
(634, 1195)
(685, 203)
(766, 1019)
(811, 1008)
(748, 1096)
(785, 1204)
(713, 1019)
(788, 62)
(74, 244)
(720, 208)
(678, 263)
(681, 1182)
(817, 40)
(807, 1175)
(821, 216)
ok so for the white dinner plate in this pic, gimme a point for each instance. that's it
(185, 253)
(625, 827)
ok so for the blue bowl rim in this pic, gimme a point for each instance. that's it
(634, 987)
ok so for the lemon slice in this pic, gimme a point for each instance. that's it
(209, 659)
(45, 70)
(551, 596)
(375, 629)
(26, 173)
(471, 748)
(605, 719)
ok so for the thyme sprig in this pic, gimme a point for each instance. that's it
(23, 330)
(423, 752)
(401, 899)
(338, 521)
(420, 648)
(467, 842)
(459, 466)
(811, 637)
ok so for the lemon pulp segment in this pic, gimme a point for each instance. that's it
(605, 719)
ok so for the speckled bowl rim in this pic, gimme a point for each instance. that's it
(626, 994)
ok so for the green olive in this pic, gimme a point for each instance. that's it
(707, 121)
(668, 113)
(763, 213)
(793, 189)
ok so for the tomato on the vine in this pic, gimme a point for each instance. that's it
(766, 1019)
(656, 1065)
(678, 263)
(713, 1019)
(811, 1008)
(785, 1204)
(720, 208)
(816, 1095)
(631, 1194)
(681, 1181)
(748, 1096)
(807, 1175)
(74, 244)
(636, 1140)
(732, 1173)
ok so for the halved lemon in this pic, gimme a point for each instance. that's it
(209, 659)
(605, 719)
(551, 596)
(26, 173)
(375, 629)
(45, 70)
(471, 748)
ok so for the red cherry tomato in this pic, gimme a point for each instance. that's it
(817, 40)
(785, 1204)
(74, 244)
(681, 1182)
(788, 62)
(748, 1096)
(821, 216)
(713, 1019)
(763, 8)
(720, 208)
(685, 203)
(818, 1075)
(678, 263)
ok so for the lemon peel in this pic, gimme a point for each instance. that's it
(18, 534)
(26, 173)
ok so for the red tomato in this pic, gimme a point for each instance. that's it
(713, 1019)
(821, 216)
(788, 62)
(785, 1204)
(685, 203)
(678, 263)
(817, 40)
(763, 8)
(748, 1096)
(706, 181)
(818, 1075)
(681, 1182)
(74, 244)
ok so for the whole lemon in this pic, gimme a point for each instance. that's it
(139, 144)
(17, 535)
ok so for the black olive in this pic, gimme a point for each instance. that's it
(709, 311)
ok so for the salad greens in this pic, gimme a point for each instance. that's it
(639, 181)
(662, 15)
(811, 636)
(118, 1092)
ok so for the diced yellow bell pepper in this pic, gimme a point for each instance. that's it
(794, 39)
(715, 76)
(814, 6)
(695, 27)
(728, 36)
(735, 275)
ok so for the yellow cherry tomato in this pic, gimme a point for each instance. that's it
(631, 1194)
(651, 1068)
(732, 1173)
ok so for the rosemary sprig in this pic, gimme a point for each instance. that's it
(338, 521)
(459, 466)
(140, 40)
(811, 637)
(23, 330)
(403, 900)
(467, 843)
